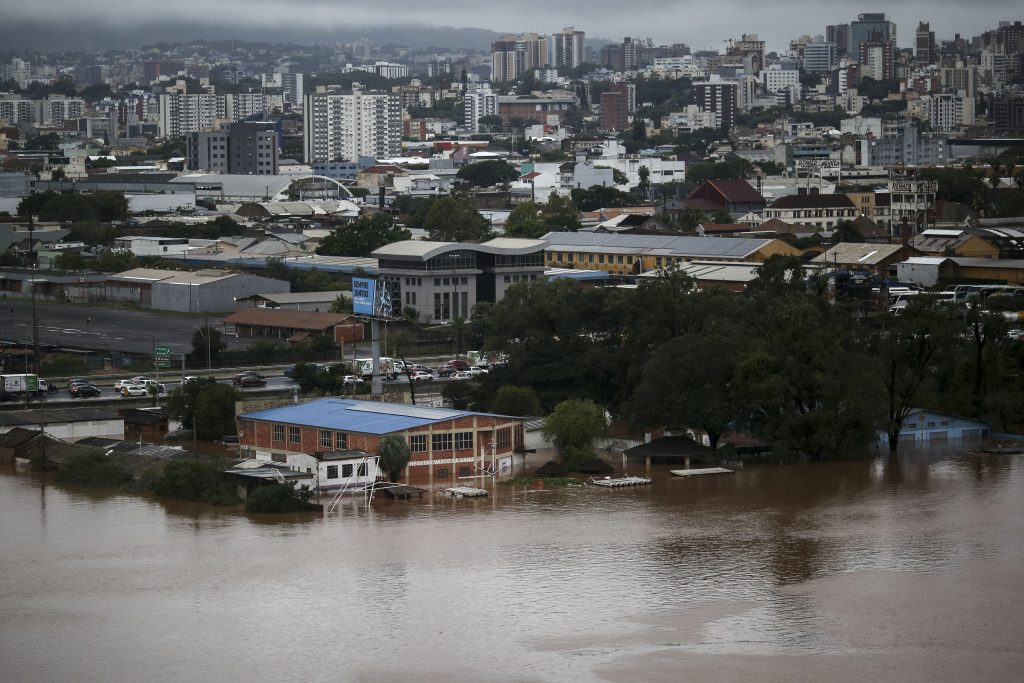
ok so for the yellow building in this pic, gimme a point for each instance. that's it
(954, 242)
(632, 254)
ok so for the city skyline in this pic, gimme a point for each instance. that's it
(59, 25)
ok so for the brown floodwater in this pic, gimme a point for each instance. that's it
(908, 569)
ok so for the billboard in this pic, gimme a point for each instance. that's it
(374, 298)
(364, 293)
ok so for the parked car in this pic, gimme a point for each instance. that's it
(477, 370)
(147, 383)
(462, 375)
(420, 376)
(238, 379)
(133, 390)
(82, 390)
(349, 380)
(252, 381)
(1015, 334)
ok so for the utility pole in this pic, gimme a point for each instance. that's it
(35, 321)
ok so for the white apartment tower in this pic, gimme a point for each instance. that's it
(345, 125)
(480, 101)
(568, 47)
(182, 114)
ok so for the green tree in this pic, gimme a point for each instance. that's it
(114, 261)
(572, 426)
(600, 197)
(491, 121)
(361, 237)
(532, 220)
(645, 182)
(202, 480)
(452, 219)
(342, 303)
(846, 231)
(488, 173)
(207, 344)
(93, 468)
(393, 452)
(687, 383)
(279, 497)
(206, 406)
(517, 401)
(525, 221)
(69, 260)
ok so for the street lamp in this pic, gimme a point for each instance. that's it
(205, 332)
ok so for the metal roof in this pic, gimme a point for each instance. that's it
(711, 247)
(422, 249)
(364, 417)
(857, 252)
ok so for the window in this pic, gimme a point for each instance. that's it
(346, 470)
(441, 442)
(504, 439)
(508, 278)
(417, 443)
(464, 472)
(945, 423)
(442, 473)
(931, 424)
(463, 441)
(600, 258)
(340, 440)
(361, 470)
(326, 441)
(332, 471)
(278, 432)
(278, 457)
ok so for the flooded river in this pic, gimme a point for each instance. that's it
(884, 570)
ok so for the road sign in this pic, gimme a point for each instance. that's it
(162, 356)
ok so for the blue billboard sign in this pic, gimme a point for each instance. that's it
(364, 293)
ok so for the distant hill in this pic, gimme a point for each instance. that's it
(98, 37)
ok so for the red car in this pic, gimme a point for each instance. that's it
(252, 381)
(460, 365)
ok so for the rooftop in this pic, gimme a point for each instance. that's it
(709, 247)
(274, 317)
(365, 417)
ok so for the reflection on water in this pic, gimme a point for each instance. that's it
(759, 574)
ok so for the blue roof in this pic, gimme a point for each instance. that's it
(365, 417)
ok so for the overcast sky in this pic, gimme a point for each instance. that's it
(699, 23)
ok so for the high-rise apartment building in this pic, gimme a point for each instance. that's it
(568, 48)
(478, 102)
(52, 111)
(877, 58)
(182, 114)
(290, 85)
(718, 96)
(866, 26)
(504, 60)
(617, 103)
(345, 125)
(839, 34)
(924, 44)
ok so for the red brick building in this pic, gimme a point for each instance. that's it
(445, 445)
(285, 324)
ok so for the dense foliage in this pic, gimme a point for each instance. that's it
(780, 362)
(202, 480)
(71, 207)
(362, 236)
(279, 497)
(206, 406)
(92, 469)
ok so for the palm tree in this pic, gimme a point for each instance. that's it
(394, 455)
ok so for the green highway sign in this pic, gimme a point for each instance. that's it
(162, 351)
(162, 356)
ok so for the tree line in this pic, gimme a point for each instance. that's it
(806, 377)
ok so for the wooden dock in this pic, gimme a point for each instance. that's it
(621, 481)
(700, 470)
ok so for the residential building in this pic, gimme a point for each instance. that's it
(540, 108)
(949, 111)
(718, 96)
(244, 148)
(505, 65)
(345, 125)
(444, 444)
(822, 211)
(930, 427)
(1006, 110)
(735, 196)
(779, 80)
(868, 27)
(905, 146)
(446, 280)
(614, 111)
(839, 35)
(181, 114)
(51, 111)
(877, 58)
(290, 85)
(478, 102)
(959, 78)
(568, 48)
(924, 44)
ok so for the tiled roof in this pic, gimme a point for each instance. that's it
(737, 191)
(286, 318)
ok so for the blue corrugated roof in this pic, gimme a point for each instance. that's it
(365, 417)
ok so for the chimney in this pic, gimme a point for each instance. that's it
(905, 231)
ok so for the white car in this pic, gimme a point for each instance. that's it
(477, 370)
(189, 378)
(1015, 334)
(421, 376)
(462, 375)
(141, 379)
(122, 383)
(349, 380)
(147, 383)
(134, 390)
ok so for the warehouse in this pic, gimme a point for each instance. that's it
(202, 291)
